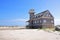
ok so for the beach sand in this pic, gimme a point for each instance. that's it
(29, 34)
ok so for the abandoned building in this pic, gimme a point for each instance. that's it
(40, 20)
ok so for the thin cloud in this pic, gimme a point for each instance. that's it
(14, 20)
(19, 20)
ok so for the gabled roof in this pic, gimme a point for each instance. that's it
(42, 13)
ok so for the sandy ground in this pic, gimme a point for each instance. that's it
(28, 34)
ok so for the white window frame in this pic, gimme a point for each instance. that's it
(44, 21)
(52, 21)
(40, 21)
(35, 21)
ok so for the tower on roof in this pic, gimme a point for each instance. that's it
(31, 13)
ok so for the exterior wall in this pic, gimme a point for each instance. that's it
(47, 23)
(41, 23)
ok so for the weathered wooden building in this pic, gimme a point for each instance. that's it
(40, 20)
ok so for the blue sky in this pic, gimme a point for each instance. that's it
(15, 12)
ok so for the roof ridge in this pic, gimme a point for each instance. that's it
(42, 12)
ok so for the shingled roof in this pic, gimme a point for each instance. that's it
(42, 13)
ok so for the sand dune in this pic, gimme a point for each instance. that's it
(28, 34)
